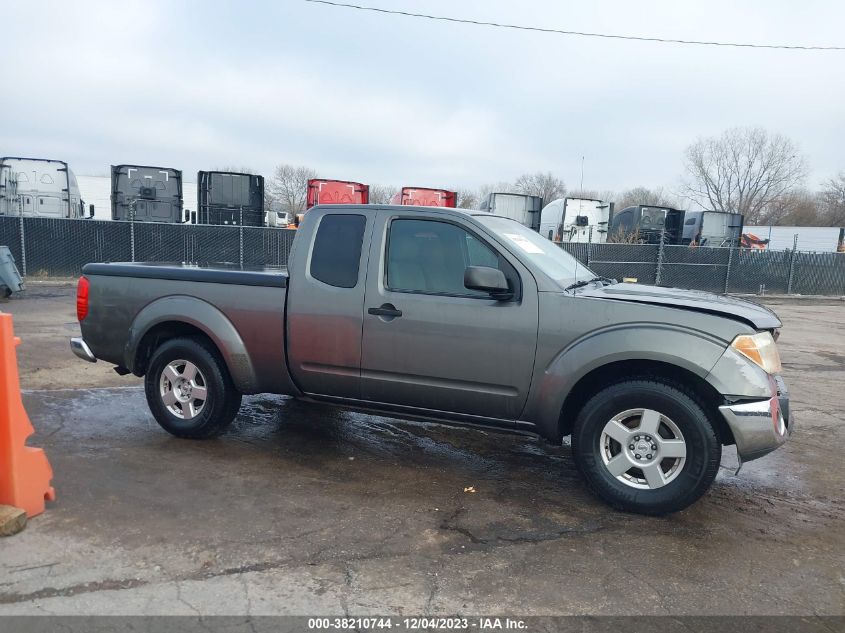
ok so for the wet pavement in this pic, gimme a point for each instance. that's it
(306, 509)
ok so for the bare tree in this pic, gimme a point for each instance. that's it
(382, 194)
(546, 185)
(494, 187)
(289, 187)
(231, 169)
(592, 194)
(832, 200)
(467, 198)
(643, 195)
(742, 171)
(800, 207)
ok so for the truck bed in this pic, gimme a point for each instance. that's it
(240, 310)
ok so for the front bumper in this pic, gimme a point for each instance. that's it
(81, 349)
(761, 426)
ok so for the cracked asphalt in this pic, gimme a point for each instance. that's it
(301, 509)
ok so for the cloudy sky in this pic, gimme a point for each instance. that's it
(395, 100)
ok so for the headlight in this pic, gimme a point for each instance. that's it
(760, 349)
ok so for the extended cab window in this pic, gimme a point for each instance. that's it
(430, 256)
(337, 250)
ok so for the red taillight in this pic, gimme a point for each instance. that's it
(82, 299)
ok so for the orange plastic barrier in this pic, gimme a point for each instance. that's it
(25, 473)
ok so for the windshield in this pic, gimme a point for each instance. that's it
(555, 262)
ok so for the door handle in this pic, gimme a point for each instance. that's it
(385, 310)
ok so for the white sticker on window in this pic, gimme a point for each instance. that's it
(523, 243)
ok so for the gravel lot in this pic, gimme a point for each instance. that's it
(305, 510)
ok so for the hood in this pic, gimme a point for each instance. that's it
(721, 305)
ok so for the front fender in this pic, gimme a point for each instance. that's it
(206, 318)
(693, 350)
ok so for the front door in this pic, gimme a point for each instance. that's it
(429, 342)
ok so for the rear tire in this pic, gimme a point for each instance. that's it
(646, 446)
(189, 390)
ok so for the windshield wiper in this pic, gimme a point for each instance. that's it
(580, 284)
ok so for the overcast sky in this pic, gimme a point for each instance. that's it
(403, 101)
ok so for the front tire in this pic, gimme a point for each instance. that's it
(189, 390)
(646, 446)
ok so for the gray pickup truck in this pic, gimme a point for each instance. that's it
(455, 317)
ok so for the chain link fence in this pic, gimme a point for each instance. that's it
(48, 247)
(722, 270)
(45, 247)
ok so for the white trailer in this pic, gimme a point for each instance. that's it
(575, 220)
(39, 187)
(523, 208)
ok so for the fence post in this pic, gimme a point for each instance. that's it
(132, 230)
(792, 265)
(23, 248)
(659, 273)
(728, 271)
(589, 247)
(241, 237)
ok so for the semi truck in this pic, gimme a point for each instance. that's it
(441, 315)
(523, 208)
(39, 187)
(146, 194)
(230, 198)
(647, 224)
(322, 191)
(425, 197)
(576, 220)
(713, 228)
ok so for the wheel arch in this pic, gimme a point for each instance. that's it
(177, 316)
(634, 369)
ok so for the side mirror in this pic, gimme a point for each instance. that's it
(193, 217)
(90, 210)
(486, 279)
(187, 215)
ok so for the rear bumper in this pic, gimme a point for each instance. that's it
(81, 349)
(761, 426)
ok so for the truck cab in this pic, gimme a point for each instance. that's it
(575, 220)
(713, 228)
(523, 208)
(425, 197)
(40, 188)
(648, 224)
(230, 198)
(321, 191)
(146, 194)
